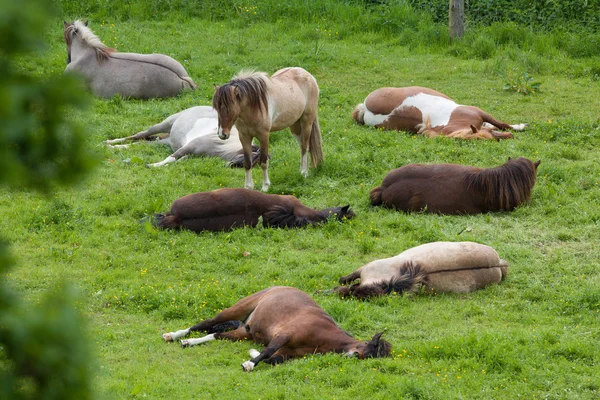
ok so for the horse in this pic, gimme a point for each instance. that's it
(430, 113)
(258, 105)
(288, 322)
(108, 72)
(457, 189)
(191, 132)
(459, 267)
(229, 208)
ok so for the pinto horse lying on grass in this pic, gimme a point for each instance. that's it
(457, 189)
(225, 209)
(430, 113)
(288, 322)
(460, 267)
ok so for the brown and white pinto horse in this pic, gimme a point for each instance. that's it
(288, 322)
(225, 209)
(257, 105)
(459, 267)
(457, 189)
(430, 113)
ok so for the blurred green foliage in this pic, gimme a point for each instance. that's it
(43, 353)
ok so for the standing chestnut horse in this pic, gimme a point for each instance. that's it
(288, 322)
(427, 112)
(459, 267)
(257, 105)
(108, 72)
(225, 209)
(457, 189)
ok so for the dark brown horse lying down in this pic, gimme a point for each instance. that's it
(428, 112)
(288, 322)
(457, 189)
(225, 209)
(460, 267)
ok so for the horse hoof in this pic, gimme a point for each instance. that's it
(185, 343)
(167, 337)
(248, 366)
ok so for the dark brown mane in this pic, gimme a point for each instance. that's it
(506, 186)
(251, 86)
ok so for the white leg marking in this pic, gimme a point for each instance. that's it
(266, 181)
(118, 146)
(249, 183)
(248, 366)
(254, 353)
(487, 125)
(519, 127)
(195, 341)
(166, 161)
(169, 337)
(113, 141)
(304, 165)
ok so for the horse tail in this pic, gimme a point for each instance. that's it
(166, 221)
(316, 144)
(375, 196)
(410, 276)
(359, 114)
(188, 83)
(283, 217)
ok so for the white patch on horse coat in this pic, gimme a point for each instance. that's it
(436, 109)
(374, 119)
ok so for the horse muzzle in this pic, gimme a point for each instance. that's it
(222, 134)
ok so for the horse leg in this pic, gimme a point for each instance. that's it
(246, 141)
(238, 334)
(344, 280)
(238, 312)
(302, 130)
(487, 118)
(264, 160)
(162, 127)
(275, 344)
(180, 154)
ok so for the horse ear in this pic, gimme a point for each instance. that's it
(345, 209)
(537, 163)
(236, 91)
(65, 23)
(215, 86)
(509, 158)
(473, 129)
(376, 337)
(86, 22)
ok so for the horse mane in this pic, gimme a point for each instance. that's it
(506, 186)
(246, 84)
(426, 130)
(410, 275)
(86, 34)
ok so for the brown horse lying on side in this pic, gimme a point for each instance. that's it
(225, 209)
(460, 267)
(430, 113)
(457, 189)
(288, 322)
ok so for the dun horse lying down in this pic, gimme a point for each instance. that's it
(457, 189)
(108, 72)
(288, 322)
(225, 209)
(427, 112)
(192, 132)
(460, 267)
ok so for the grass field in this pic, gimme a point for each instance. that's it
(533, 336)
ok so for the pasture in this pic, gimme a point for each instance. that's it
(534, 335)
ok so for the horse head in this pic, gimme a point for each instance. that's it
(374, 348)
(226, 101)
(339, 213)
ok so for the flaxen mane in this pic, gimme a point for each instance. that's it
(247, 84)
(79, 28)
(506, 186)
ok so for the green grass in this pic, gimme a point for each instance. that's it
(535, 335)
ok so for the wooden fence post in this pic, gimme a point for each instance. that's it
(456, 18)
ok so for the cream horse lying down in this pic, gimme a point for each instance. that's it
(460, 267)
(192, 132)
(108, 72)
(430, 113)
